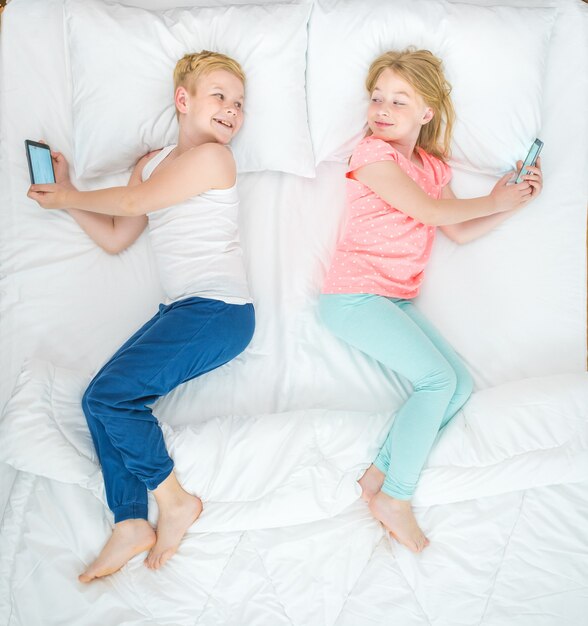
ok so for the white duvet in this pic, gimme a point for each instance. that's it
(283, 469)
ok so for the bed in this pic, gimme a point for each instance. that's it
(275, 441)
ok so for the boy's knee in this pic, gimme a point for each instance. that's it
(97, 397)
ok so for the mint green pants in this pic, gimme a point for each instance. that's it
(396, 334)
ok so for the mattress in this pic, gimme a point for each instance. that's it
(274, 442)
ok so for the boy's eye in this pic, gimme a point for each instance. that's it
(220, 95)
(239, 105)
(399, 103)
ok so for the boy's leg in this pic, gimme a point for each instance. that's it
(187, 339)
(130, 489)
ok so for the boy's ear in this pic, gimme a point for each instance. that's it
(181, 99)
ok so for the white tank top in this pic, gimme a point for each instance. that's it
(196, 244)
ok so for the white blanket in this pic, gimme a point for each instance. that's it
(283, 469)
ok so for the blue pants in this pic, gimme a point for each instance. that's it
(396, 334)
(182, 341)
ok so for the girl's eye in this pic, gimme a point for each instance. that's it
(220, 95)
(238, 105)
(400, 103)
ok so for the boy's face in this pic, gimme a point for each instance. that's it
(214, 112)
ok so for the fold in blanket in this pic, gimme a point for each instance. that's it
(276, 470)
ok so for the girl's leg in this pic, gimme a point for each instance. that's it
(383, 330)
(188, 338)
(373, 479)
(465, 384)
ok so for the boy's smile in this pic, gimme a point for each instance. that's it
(214, 111)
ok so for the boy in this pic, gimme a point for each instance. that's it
(185, 195)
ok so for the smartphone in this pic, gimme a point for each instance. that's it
(530, 159)
(40, 163)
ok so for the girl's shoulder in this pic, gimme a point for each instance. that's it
(370, 150)
(440, 169)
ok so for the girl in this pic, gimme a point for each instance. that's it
(185, 195)
(398, 193)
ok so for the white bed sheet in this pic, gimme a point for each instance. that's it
(513, 304)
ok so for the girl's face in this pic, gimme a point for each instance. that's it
(215, 111)
(397, 112)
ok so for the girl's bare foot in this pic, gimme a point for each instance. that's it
(178, 510)
(129, 538)
(371, 482)
(398, 518)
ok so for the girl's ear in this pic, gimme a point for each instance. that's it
(428, 115)
(181, 99)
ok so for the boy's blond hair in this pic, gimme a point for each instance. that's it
(424, 71)
(191, 66)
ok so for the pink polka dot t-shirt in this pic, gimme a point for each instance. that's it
(384, 251)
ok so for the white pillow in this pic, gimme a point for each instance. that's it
(494, 57)
(122, 61)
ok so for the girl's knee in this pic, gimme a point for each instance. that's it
(465, 384)
(442, 379)
(464, 387)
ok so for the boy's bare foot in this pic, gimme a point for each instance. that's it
(398, 518)
(129, 538)
(371, 482)
(178, 510)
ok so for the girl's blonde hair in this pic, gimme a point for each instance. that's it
(424, 71)
(191, 66)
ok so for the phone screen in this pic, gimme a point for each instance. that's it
(40, 164)
(530, 159)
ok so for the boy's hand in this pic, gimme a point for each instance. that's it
(51, 196)
(60, 167)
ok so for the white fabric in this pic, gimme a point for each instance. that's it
(494, 57)
(122, 60)
(266, 471)
(196, 244)
(512, 303)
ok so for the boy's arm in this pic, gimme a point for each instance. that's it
(394, 186)
(467, 231)
(209, 166)
(113, 233)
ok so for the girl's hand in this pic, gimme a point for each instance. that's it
(508, 197)
(534, 178)
(51, 196)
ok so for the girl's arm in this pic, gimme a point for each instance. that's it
(392, 184)
(464, 232)
(112, 234)
(208, 166)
